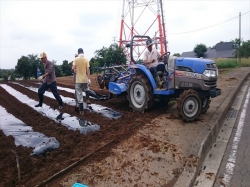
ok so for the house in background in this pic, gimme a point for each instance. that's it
(222, 50)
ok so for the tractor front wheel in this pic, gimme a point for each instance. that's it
(189, 105)
(139, 93)
(205, 104)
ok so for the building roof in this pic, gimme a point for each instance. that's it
(222, 50)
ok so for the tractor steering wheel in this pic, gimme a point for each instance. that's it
(161, 57)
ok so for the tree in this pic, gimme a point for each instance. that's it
(115, 55)
(24, 67)
(99, 56)
(66, 68)
(110, 56)
(176, 54)
(245, 49)
(93, 64)
(236, 43)
(58, 71)
(27, 66)
(200, 50)
(35, 63)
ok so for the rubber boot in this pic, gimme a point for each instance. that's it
(40, 104)
(81, 108)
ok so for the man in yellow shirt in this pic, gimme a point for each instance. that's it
(81, 67)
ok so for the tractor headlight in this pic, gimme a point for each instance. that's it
(210, 73)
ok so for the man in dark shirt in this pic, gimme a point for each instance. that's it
(49, 81)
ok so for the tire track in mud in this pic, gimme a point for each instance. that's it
(73, 145)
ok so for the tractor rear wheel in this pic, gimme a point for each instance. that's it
(139, 93)
(100, 81)
(205, 104)
(106, 83)
(189, 105)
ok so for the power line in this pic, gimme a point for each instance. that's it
(209, 26)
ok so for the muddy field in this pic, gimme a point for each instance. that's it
(73, 145)
(95, 146)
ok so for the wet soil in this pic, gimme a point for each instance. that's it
(73, 145)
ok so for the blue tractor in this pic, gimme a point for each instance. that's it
(191, 81)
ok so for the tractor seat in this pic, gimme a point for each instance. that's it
(161, 69)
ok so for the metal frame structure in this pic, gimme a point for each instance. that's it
(132, 13)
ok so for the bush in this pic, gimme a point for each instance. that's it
(226, 63)
(244, 62)
(232, 62)
(5, 77)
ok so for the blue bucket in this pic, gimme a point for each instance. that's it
(79, 185)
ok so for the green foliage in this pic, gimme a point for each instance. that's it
(58, 71)
(176, 54)
(66, 68)
(114, 55)
(245, 49)
(7, 71)
(93, 63)
(232, 62)
(5, 77)
(27, 66)
(226, 63)
(236, 43)
(24, 67)
(200, 50)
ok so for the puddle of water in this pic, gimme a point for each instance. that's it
(71, 122)
(106, 112)
(24, 135)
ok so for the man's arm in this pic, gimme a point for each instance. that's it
(49, 69)
(145, 59)
(74, 66)
(87, 70)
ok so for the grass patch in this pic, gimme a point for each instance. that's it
(232, 62)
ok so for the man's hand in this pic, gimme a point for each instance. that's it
(40, 78)
(89, 82)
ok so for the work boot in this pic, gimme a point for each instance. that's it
(81, 108)
(60, 104)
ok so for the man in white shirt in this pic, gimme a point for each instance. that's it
(150, 59)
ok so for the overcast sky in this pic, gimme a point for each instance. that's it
(59, 28)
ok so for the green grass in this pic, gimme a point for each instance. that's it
(232, 62)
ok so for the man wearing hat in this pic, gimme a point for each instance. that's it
(49, 81)
(150, 59)
(81, 67)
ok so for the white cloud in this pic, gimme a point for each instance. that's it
(60, 27)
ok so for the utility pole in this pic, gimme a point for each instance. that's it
(239, 37)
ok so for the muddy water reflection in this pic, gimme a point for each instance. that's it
(71, 122)
(24, 135)
(106, 112)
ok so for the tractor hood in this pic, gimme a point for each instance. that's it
(198, 65)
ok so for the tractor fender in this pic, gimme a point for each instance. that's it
(143, 69)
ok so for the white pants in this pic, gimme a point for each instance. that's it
(80, 87)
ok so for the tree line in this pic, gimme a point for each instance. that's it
(27, 66)
(106, 56)
(242, 48)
